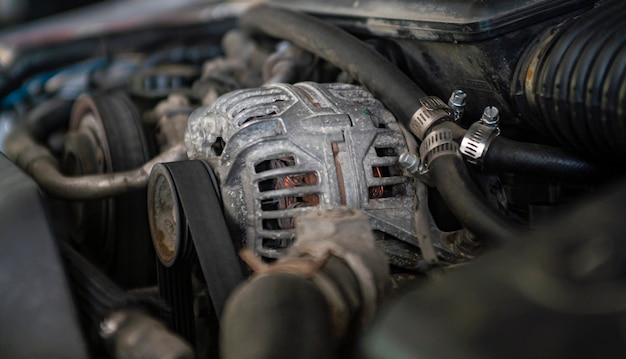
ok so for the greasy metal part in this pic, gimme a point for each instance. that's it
(438, 246)
(38, 162)
(476, 141)
(289, 149)
(422, 224)
(289, 64)
(457, 102)
(240, 67)
(171, 117)
(172, 129)
(131, 334)
(432, 111)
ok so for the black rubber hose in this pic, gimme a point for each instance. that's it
(506, 155)
(277, 316)
(465, 200)
(47, 117)
(571, 83)
(390, 85)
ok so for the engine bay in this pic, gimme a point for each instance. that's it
(314, 179)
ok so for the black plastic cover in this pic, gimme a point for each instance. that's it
(453, 20)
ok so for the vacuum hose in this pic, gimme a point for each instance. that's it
(532, 159)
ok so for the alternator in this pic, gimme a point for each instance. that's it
(283, 150)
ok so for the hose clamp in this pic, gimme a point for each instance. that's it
(476, 142)
(433, 110)
(438, 143)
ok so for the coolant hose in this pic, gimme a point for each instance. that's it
(506, 155)
(312, 301)
(390, 85)
(465, 200)
(278, 316)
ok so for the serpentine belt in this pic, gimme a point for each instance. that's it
(200, 206)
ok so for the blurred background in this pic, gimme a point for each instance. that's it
(18, 11)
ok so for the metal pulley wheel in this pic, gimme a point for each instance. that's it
(106, 135)
(192, 240)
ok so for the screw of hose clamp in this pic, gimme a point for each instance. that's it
(457, 102)
(491, 117)
(411, 162)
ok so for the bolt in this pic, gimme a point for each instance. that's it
(457, 103)
(490, 116)
(409, 161)
(457, 99)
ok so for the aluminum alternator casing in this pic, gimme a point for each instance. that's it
(282, 150)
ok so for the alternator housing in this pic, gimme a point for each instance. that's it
(282, 150)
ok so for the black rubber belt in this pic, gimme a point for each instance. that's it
(201, 207)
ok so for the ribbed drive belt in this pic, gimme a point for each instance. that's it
(200, 206)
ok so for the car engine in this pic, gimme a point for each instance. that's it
(314, 179)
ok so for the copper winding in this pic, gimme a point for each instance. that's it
(378, 191)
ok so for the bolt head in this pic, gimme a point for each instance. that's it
(458, 98)
(491, 116)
